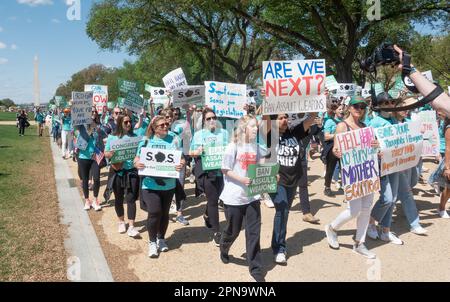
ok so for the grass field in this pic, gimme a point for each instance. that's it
(31, 239)
(11, 116)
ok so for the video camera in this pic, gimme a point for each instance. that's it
(384, 54)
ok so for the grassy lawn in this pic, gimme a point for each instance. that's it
(31, 239)
(11, 116)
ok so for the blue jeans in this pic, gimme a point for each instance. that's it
(283, 202)
(337, 171)
(383, 208)
(406, 197)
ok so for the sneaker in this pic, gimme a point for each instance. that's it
(328, 192)
(337, 185)
(372, 232)
(362, 250)
(280, 258)
(444, 214)
(122, 227)
(391, 237)
(332, 237)
(310, 218)
(206, 219)
(418, 230)
(133, 232)
(87, 205)
(162, 245)
(173, 208)
(182, 220)
(96, 206)
(224, 257)
(268, 201)
(152, 250)
(216, 238)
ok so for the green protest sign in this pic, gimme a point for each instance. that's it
(110, 105)
(133, 102)
(120, 102)
(124, 149)
(264, 178)
(128, 86)
(212, 157)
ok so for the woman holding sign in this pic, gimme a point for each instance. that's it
(357, 208)
(207, 148)
(238, 202)
(125, 182)
(157, 192)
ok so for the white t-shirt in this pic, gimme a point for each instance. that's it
(237, 158)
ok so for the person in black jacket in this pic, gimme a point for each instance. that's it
(23, 122)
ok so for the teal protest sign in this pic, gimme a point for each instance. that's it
(212, 157)
(264, 178)
(128, 86)
(124, 148)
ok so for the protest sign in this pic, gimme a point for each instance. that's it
(133, 102)
(264, 178)
(401, 146)
(427, 74)
(227, 100)
(120, 102)
(430, 131)
(160, 162)
(359, 163)
(60, 101)
(294, 86)
(124, 148)
(331, 83)
(159, 95)
(183, 97)
(212, 157)
(175, 79)
(128, 86)
(81, 108)
(100, 96)
(254, 96)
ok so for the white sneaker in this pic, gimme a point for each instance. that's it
(444, 214)
(419, 230)
(391, 237)
(152, 250)
(122, 227)
(280, 258)
(87, 205)
(372, 232)
(162, 245)
(173, 208)
(96, 206)
(362, 250)
(133, 232)
(332, 237)
(268, 201)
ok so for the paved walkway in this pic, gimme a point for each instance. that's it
(86, 261)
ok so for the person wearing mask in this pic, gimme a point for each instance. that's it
(358, 208)
(210, 181)
(157, 192)
(125, 182)
(23, 122)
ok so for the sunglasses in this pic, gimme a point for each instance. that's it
(127, 122)
(116, 112)
(391, 102)
(163, 125)
(360, 106)
(211, 118)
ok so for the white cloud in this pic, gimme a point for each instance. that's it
(35, 2)
(56, 21)
(13, 46)
(3, 61)
(2, 45)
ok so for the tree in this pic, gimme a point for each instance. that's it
(7, 103)
(334, 29)
(219, 42)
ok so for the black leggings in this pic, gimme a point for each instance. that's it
(130, 198)
(84, 166)
(332, 160)
(180, 196)
(213, 188)
(158, 206)
(21, 129)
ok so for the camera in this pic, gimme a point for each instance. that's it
(384, 54)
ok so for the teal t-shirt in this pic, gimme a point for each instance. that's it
(66, 123)
(325, 117)
(40, 117)
(141, 130)
(205, 137)
(170, 142)
(330, 125)
(89, 151)
(441, 136)
(379, 121)
(368, 117)
(128, 164)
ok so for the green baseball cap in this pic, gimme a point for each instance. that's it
(356, 100)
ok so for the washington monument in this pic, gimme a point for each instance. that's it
(37, 93)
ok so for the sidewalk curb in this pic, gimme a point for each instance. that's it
(86, 262)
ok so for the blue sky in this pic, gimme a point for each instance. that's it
(41, 27)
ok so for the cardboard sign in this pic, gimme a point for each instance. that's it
(264, 178)
(81, 108)
(128, 86)
(401, 146)
(134, 102)
(100, 96)
(124, 149)
(226, 99)
(160, 162)
(212, 157)
(294, 86)
(430, 131)
(175, 79)
(359, 163)
(189, 95)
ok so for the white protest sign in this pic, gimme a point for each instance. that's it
(159, 94)
(430, 131)
(226, 99)
(124, 148)
(133, 102)
(100, 96)
(331, 83)
(160, 162)
(188, 95)
(427, 74)
(294, 86)
(81, 108)
(175, 79)
(401, 146)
